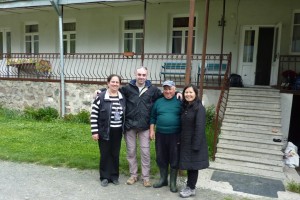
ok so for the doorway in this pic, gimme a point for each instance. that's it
(264, 56)
(259, 48)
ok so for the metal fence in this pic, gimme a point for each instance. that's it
(96, 67)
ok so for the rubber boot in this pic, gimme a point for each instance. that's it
(163, 181)
(173, 180)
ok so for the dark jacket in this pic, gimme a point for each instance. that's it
(139, 104)
(193, 146)
(101, 114)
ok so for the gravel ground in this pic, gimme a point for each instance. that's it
(29, 181)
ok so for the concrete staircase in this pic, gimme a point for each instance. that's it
(252, 120)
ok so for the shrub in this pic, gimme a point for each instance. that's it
(210, 115)
(45, 114)
(82, 117)
(293, 187)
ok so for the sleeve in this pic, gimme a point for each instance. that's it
(158, 94)
(94, 116)
(153, 114)
(199, 133)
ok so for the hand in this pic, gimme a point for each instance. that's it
(179, 96)
(95, 136)
(96, 93)
(152, 135)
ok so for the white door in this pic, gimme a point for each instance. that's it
(248, 52)
(5, 40)
(276, 54)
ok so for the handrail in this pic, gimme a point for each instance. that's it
(221, 106)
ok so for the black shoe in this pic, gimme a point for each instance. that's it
(104, 183)
(115, 182)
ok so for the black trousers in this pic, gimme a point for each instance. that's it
(109, 155)
(192, 178)
(167, 150)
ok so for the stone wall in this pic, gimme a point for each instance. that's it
(20, 94)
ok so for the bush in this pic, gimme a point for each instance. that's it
(293, 187)
(44, 114)
(82, 117)
(210, 115)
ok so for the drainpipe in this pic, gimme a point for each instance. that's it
(59, 11)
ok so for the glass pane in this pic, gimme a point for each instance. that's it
(127, 45)
(248, 46)
(186, 41)
(176, 45)
(72, 36)
(69, 26)
(133, 24)
(65, 46)
(297, 18)
(1, 43)
(139, 35)
(296, 39)
(182, 22)
(72, 46)
(65, 37)
(128, 35)
(177, 34)
(138, 45)
(36, 37)
(8, 42)
(27, 47)
(36, 47)
(28, 38)
(31, 28)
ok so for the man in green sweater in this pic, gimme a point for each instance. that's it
(165, 129)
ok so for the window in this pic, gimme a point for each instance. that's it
(296, 33)
(32, 38)
(133, 36)
(180, 35)
(69, 37)
(5, 42)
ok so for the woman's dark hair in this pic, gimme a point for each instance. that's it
(113, 75)
(196, 102)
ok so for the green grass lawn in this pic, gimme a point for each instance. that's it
(55, 143)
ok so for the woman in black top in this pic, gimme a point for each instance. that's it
(193, 146)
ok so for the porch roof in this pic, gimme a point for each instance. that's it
(24, 6)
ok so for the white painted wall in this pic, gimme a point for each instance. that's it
(99, 29)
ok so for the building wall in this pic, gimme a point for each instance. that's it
(99, 29)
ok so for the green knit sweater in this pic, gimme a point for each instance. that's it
(165, 114)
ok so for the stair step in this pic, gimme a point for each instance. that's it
(247, 170)
(260, 134)
(249, 151)
(258, 104)
(248, 159)
(254, 111)
(249, 97)
(253, 117)
(251, 124)
(249, 164)
(254, 142)
(253, 91)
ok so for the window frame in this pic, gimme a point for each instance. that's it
(68, 39)
(183, 31)
(6, 44)
(32, 39)
(134, 32)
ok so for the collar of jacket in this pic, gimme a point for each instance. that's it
(147, 83)
(106, 96)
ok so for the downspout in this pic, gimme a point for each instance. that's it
(144, 30)
(59, 12)
(190, 43)
(204, 49)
